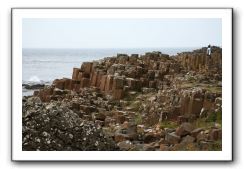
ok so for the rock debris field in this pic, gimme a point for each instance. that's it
(149, 102)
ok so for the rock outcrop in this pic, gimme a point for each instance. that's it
(148, 102)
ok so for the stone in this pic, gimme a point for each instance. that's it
(109, 83)
(100, 116)
(118, 83)
(125, 145)
(202, 136)
(196, 131)
(187, 139)
(152, 84)
(172, 138)
(119, 137)
(134, 84)
(164, 147)
(149, 147)
(118, 94)
(86, 67)
(45, 94)
(88, 109)
(150, 137)
(215, 134)
(196, 106)
(128, 133)
(59, 83)
(103, 82)
(184, 129)
(120, 119)
(94, 78)
(33, 86)
(75, 73)
(75, 106)
(85, 82)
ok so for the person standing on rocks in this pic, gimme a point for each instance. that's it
(208, 58)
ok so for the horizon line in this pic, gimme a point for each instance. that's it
(116, 47)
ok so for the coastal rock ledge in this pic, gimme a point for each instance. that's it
(130, 103)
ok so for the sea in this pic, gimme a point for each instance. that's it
(42, 66)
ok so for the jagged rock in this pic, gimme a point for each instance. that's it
(75, 73)
(164, 147)
(184, 129)
(215, 134)
(187, 139)
(172, 138)
(86, 67)
(202, 136)
(125, 145)
(129, 133)
(112, 94)
(84, 82)
(151, 137)
(118, 94)
(196, 131)
(33, 86)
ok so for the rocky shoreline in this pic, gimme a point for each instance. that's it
(149, 102)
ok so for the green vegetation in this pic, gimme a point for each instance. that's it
(209, 121)
(215, 117)
(168, 124)
(138, 118)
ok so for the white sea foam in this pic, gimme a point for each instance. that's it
(34, 79)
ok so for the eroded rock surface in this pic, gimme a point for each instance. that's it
(148, 102)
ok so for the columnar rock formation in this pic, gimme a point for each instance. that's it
(117, 76)
(131, 96)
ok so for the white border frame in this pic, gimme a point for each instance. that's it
(18, 155)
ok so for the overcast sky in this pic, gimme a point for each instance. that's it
(120, 33)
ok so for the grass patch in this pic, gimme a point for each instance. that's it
(138, 119)
(168, 124)
(207, 123)
(214, 89)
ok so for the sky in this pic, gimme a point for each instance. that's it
(121, 33)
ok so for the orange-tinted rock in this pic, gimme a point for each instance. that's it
(118, 94)
(85, 82)
(68, 84)
(109, 83)
(86, 67)
(45, 94)
(59, 83)
(118, 83)
(184, 129)
(94, 79)
(75, 73)
(80, 76)
(103, 82)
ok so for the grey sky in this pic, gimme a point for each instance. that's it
(120, 33)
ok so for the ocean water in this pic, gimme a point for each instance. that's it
(45, 65)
